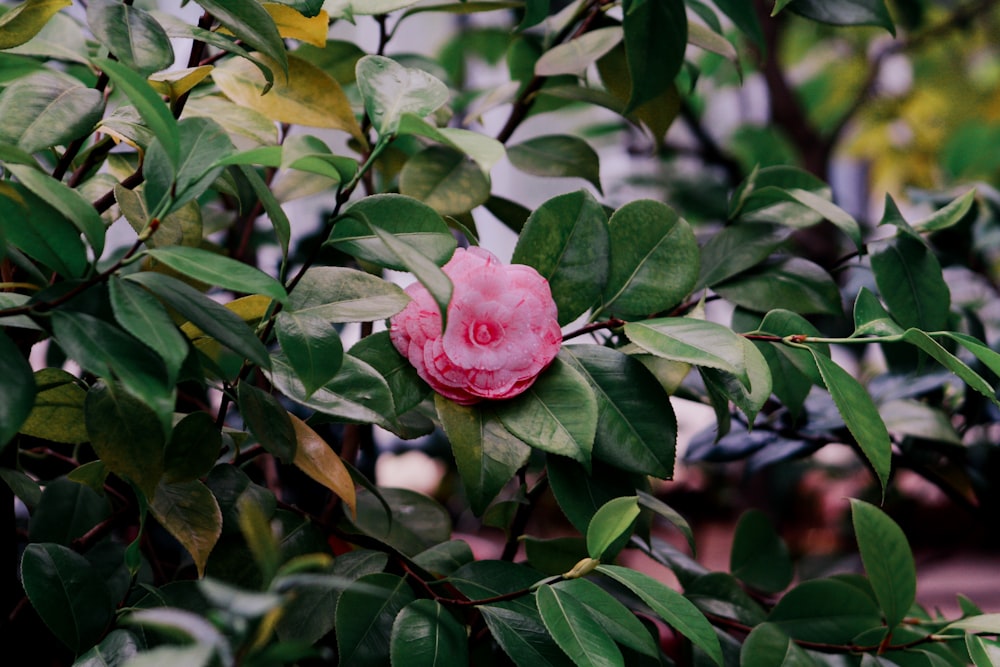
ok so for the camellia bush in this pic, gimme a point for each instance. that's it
(192, 378)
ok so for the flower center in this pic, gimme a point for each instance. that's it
(485, 333)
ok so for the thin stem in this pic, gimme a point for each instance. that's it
(522, 516)
(44, 306)
(613, 323)
(524, 102)
(77, 144)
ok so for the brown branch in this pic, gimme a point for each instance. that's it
(526, 99)
(613, 323)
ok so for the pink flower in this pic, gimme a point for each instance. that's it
(502, 329)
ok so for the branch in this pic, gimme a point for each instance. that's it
(197, 49)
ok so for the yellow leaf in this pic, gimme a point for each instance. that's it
(315, 458)
(309, 96)
(251, 309)
(259, 537)
(293, 25)
(177, 82)
(25, 20)
(190, 513)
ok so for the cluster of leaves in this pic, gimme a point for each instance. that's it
(188, 445)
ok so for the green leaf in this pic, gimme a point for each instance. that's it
(846, 12)
(750, 401)
(251, 23)
(613, 521)
(214, 319)
(575, 630)
(759, 556)
(23, 21)
(59, 38)
(692, 341)
(977, 651)
(762, 197)
(107, 352)
(671, 606)
(193, 448)
(986, 355)
(768, 645)
(216, 269)
(126, 435)
(444, 179)
(887, 558)
(312, 347)
(575, 56)
(64, 199)
(310, 154)
(203, 142)
(949, 215)
(282, 227)
(910, 281)
(722, 594)
(483, 579)
(794, 284)
(114, 649)
(444, 558)
(19, 390)
(68, 593)
(41, 232)
(825, 610)
(655, 40)
(616, 619)
(267, 420)
(629, 435)
(190, 513)
(349, 8)
(566, 241)
(557, 156)
(557, 414)
(949, 361)
(143, 316)
(523, 638)
(737, 248)
(416, 523)
(57, 413)
(654, 259)
(131, 35)
(581, 494)
(656, 505)
(148, 103)
(822, 206)
(357, 394)
(713, 42)
(338, 294)
(311, 613)
(979, 623)
(377, 350)
(425, 634)
(424, 268)
(871, 318)
(410, 221)
(487, 454)
(551, 556)
(486, 151)
(390, 90)
(859, 414)
(745, 18)
(43, 110)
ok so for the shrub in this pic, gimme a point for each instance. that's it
(193, 377)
